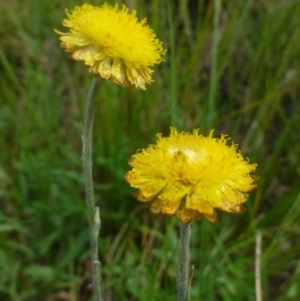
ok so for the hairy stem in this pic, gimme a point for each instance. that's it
(183, 261)
(93, 212)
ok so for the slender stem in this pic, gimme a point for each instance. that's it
(93, 212)
(258, 289)
(213, 69)
(173, 73)
(183, 260)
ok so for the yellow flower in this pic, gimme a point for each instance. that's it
(191, 175)
(112, 43)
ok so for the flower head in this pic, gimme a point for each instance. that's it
(191, 175)
(113, 43)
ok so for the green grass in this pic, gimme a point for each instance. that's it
(250, 90)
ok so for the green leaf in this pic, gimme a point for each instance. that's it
(281, 209)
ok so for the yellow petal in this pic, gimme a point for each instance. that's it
(192, 175)
(113, 43)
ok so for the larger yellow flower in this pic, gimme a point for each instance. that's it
(112, 43)
(191, 175)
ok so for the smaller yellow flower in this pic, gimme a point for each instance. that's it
(112, 43)
(191, 175)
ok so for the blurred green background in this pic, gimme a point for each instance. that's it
(234, 68)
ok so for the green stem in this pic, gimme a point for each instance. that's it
(213, 82)
(173, 66)
(183, 261)
(93, 212)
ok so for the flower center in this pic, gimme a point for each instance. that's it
(191, 154)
